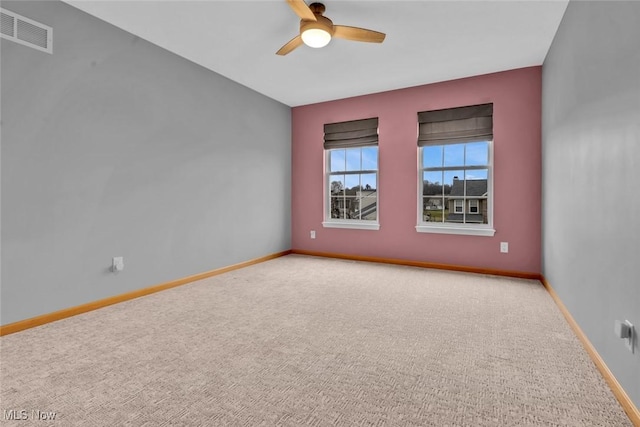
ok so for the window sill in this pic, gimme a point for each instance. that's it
(468, 231)
(359, 225)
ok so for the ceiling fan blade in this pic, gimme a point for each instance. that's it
(291, 44)
(357, 34)
(302, 10)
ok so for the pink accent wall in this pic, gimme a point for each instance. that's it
(516, 98)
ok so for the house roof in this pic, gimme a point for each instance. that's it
(475, 187)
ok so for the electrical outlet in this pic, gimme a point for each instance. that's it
(504, 247)
(117, 264)
(313, 234)
(625, 331)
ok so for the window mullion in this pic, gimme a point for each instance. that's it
(451, 168)
(442, 181)
(464, 193)
(357, 172)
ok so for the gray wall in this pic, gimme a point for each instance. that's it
(113, 146)
(591, 158)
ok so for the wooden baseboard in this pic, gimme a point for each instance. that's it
(423, 264)
(72, 311)
(624, 399)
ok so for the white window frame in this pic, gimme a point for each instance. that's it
(458, 204)
(477, 206)
(454, 228)
(357, 224)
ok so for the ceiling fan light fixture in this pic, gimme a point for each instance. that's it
(317, 30)
(316, 37)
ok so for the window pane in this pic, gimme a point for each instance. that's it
(353, 159)
(477, 192)
(352, 183)
(369, 158)
(432, 183)
(454, 187)
(454, 180)
(477, 154)
(368, 181)
(432, 197)
(433, 209)
(338, 200)
(432, 156)
(337, 160)
(454, 155)
(337, 209)
(336, 184)
(455, 212)
(367, 198)
(475, 174)
(369, 206)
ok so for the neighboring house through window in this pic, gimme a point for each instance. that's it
(351, 177)
(470, 193)
(455, 171)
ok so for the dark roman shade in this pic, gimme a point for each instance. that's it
(356, 133)
(463, 124)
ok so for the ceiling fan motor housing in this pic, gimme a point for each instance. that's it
(322, 23)
(317, 8)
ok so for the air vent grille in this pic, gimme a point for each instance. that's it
(7, 24)
(26, 31)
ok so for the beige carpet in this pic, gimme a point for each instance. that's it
(313, 342)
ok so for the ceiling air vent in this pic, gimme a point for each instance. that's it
(25, 31)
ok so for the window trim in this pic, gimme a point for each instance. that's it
(356, 224)
(477, 206)
(457, 205)
(454, 228)
(457, 229)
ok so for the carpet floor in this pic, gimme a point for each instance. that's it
(306, 341)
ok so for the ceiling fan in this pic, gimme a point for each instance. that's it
(316, 30)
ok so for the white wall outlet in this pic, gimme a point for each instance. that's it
(117, 264)
(625, 331)
(632, 335)
(504, 247)
(313, 234)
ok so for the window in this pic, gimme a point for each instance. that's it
(351, 184)
(455, 171)
(457, 206)
(473, 206)
(353, 176)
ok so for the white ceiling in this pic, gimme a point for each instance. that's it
(427, 41)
